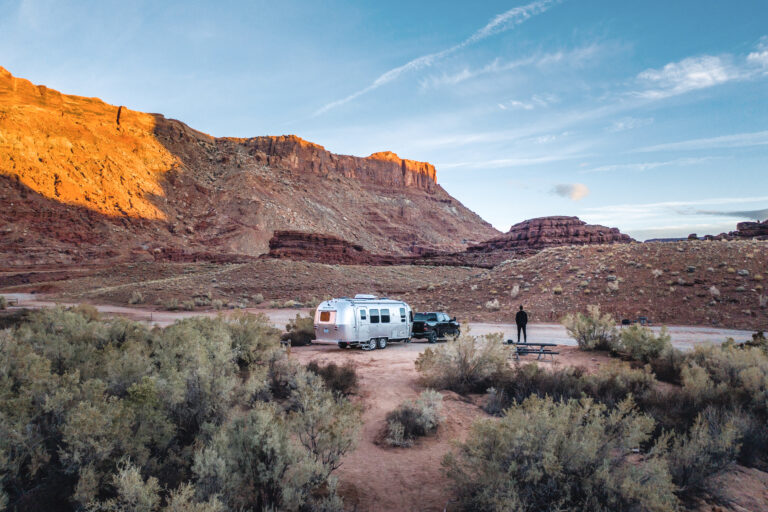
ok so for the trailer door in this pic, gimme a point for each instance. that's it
(364, 326)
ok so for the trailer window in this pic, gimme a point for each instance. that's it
(402, 314)
(325, 317)
(385, 316)
(362, 314)
(374, 316)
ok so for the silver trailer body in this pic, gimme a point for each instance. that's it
(365, 320)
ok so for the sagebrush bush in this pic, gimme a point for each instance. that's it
(465, 364)
(593, 331)
(609, 385)
(301, 331)
(337, 378)
(81, 396)
(641, 344)
(414, 419)
(136, 297)
(573, 455)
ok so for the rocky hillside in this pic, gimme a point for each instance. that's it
(717, 283)
(83, 181)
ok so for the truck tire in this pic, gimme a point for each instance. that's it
(343, 344)
(432, 337)
(382, 343)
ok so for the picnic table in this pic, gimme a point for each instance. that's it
(541, 349)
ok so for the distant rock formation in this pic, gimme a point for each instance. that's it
(744, 230)
(321, 248)
(543, 232)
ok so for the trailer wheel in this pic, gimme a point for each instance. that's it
(432, 337)
(371, 345)
(343, 344)
(382, 343)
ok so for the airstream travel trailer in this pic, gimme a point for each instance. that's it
(366, 321)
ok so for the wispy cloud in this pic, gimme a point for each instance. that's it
(758, 215)
(629, 123)
(575, 57)
(645, 166)
(702, 72)
(646, 207)
(737, 140)
(501, 23)
(574, 191)
(537, 100)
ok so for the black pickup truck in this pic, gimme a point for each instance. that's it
(433, 325)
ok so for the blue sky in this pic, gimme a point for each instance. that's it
(650, 116)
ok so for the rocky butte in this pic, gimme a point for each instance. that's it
(85, 181)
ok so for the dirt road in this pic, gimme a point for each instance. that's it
(683, 337)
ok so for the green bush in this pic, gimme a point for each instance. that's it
(466, 364)
(81, 396)
(340, 379)
(609, 385)
(301, 331)
(414, 419)
(641, 344)
(573, 455)
(592, 331)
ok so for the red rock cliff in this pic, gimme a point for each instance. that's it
(552, 231)
(385, 169)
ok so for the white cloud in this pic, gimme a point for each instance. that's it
(645, 166)
(629, 123)
(501, 23)
(738, 140)
(537, 100)
(574, 191)
(687, 75)
(760, 56)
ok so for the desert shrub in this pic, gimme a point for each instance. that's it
(136, 297)
(339, 379)
(301, 331)
(80, 396)
(592, 331)
(493, 305)
(253, 337)
(203, 299)
(668, 365)
(217, 304)
(710, 445)
(466, 364)
(171, 304)
(414, 419)
(188, 305)
(609, 385)
(257, 298)
(641, 344)
(572, 455)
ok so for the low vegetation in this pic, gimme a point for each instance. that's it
(112, 415)
(614, 439)
(415, 419)
(338, 378)
(300, 331)
(466, 364)
(593, 331)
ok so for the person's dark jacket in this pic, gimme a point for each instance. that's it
(521, 318)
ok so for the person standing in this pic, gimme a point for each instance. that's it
(521, 319)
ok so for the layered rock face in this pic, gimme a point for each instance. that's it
(755, 230)
(85, 181)
(543, 232)
(385, 169)
(320, 248)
